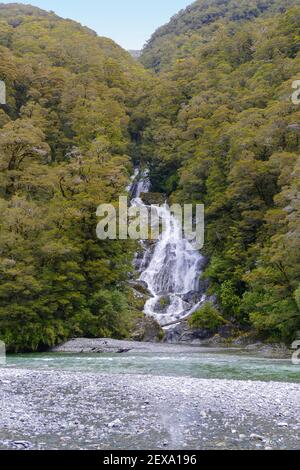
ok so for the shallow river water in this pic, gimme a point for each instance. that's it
(208, 365)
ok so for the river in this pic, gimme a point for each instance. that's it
(209, 364)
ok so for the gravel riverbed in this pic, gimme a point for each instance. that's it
(73, 410)
(106, 345)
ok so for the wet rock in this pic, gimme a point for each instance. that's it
(143, 257)
(182, 333)
(192, 297)
(269, 350)
(141, 287)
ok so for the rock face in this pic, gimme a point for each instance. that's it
(269, 350)
(182, 333)
(193, 297)
(227, 335)
(148, 330)
(140, 287)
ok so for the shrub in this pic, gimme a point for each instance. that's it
(207, 317)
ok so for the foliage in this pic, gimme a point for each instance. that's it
(197, 24)
(64, 149)
(221, 129)
(207, 317)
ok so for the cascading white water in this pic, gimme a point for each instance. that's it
(171, 270)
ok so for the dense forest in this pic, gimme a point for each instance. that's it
(198, 23)
(64, 149)
(208, 110)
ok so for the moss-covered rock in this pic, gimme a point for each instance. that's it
(153, 198)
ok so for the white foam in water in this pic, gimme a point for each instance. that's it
(174, 269)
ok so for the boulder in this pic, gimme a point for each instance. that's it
(153, 199)
(141, 287)
(182, 333)
(148, 330)
(192, 297)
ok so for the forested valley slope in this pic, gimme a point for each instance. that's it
(221, 129)
(208, 110)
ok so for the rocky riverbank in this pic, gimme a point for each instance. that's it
(85, 345)
(71, 410)
(98, 346)
(228, 336)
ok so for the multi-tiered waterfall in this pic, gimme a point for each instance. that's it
(170, 268)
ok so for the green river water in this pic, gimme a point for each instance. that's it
(211, 365)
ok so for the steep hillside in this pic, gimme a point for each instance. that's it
(216, 126)
(221, 129)
(64, 149)
(197, 24)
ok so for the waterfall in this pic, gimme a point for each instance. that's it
(170, 268)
